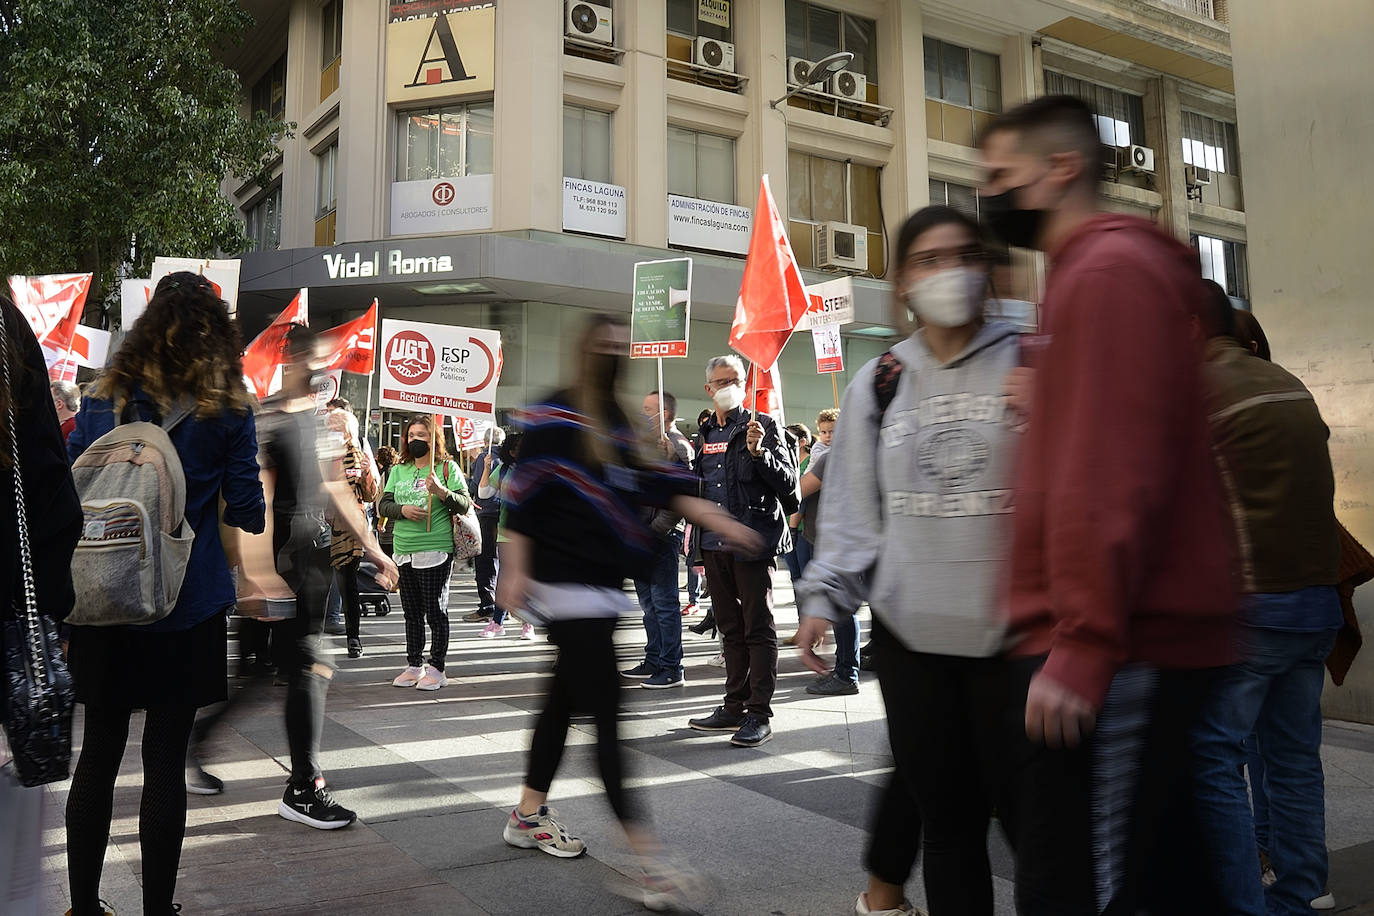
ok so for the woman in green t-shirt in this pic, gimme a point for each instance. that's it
(423, 494)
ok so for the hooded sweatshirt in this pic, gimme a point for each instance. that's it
(1123, 549)
(917, 500)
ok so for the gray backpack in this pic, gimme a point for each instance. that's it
(131, 559)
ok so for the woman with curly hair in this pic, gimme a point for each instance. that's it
(179, 366)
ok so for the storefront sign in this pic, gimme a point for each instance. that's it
(832, 302)
(439, 368)
(397, 263)
(440, 49)
(660, 312)
(829, 352)
(708, 225)
(594, 208)
(223, 274)
(441, 205)
(716, 12)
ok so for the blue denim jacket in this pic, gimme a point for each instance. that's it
(219, 456)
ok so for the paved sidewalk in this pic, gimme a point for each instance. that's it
(779, 829)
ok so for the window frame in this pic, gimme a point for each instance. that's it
(870, 70)
(327, 159)
(610, 142)
(1235, 263)
(696, 164)
(944, 200)
(969, 51)
(1224, 131)
(1133, 103)
(849, 219)
(331, 52)
(255, 218)
(263, 87)
(464, 109)
(711, 30)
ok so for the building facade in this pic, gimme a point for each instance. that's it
(504, 164)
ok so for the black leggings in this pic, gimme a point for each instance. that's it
(346, 576)
(585, 680)
(161, 816)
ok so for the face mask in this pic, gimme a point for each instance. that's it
(418, 448)
(728, 399)
(948, 299)
(1013, 224)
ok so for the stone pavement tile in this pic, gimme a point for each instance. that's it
(531, 882)
(452, 840)
(1351, 879)
(437, 899)
(1349, 816)
(1353, 764)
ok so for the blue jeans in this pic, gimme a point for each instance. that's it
(658, 597)
(1259, 792)
(693, 583)
(333, 605)
(1274, 693)
(847, 649)
(804, 551)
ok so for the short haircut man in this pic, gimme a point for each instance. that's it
(667, 403)
(68, 394)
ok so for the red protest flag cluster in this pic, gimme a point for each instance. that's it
(267, 352)
(352, 346)
(772, 297)
(53, 305)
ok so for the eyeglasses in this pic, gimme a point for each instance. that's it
(722, 384)
(928, 261)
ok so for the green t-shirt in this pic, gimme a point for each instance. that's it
(406, 485)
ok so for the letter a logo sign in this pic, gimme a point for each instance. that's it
(442, 64)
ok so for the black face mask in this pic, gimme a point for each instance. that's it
(1013, 224)
(418, 448)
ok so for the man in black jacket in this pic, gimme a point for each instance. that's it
(747, 468)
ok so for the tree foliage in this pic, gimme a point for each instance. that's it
(118, 123)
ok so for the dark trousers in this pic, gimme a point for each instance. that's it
(346, 578)
(487, 566)
(299, 642)
(424, 599)
(586, 680)
(742, 598)
(956, 743)
(1109, 826)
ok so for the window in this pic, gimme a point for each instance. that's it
(331, 30)
(326, 163)
(823, 190)
(448, 142)
(269, 92)
(1120, 116)
(701, 165)
(815, 31)
(1224, 261)
(963, 91)
(961, 197)
(263, 221)
(586, 144)
(683, 22)
(1210, 143)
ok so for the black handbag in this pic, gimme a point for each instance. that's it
(38, 688)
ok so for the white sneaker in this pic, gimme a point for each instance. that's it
(717, 660)
(527, 632)
(433, 679)
(492, 630)
(409, 677)
(1326, 901)
(906, 909)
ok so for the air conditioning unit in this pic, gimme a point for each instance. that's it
(1137, 159)
(849, 85)
(797, 69)
(842, 245)
(589, 22)
(1196, 176)
(718, 55)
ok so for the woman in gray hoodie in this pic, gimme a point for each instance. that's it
(916, 509)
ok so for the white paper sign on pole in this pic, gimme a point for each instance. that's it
(133, 301)
(709, 225)
(439, 368)
(832, 302)
(829, 351)
(223, 273)
(470, 432)
(327, 390)
(594, 208)
(441, 205)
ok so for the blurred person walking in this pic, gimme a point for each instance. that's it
(487, 564)
(345, 551)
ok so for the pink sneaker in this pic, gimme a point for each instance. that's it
(493, 630)
(433, 679)
(527, 632)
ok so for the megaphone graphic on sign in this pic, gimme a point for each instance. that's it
(677, 297)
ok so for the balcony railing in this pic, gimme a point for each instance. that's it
(1208, 9)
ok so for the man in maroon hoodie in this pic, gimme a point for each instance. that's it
(1122, 559)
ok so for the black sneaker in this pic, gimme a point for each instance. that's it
(199, 782)
(355, 648)
(753, 731)
(828, 685)
(643, 671)
(477, 617)
(314, 807)
(718, 721)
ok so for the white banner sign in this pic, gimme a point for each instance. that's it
(593, 207)
(708, 225)
(439, 368)
(224, 274)
(469, 432)
(328, 389)
(441, 205)
(829, 352)
(832, 302)
(133, 301)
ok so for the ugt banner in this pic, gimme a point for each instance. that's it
(660, 313)
(439, 368)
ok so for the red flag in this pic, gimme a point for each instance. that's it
(764, 392)
(267, 352)
(53, 304)
(352, 346)
(772, 298)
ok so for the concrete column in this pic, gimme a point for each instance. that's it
(366, 128)
(302, 97)
(763, 148)
(1164, 127)
(901, 71)
(528, 152)
(641, 132)
(1302, 103)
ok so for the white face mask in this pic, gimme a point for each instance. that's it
(948, 299)
(728, 399)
